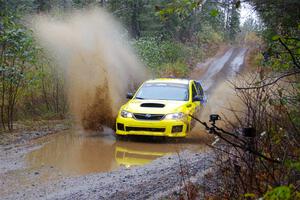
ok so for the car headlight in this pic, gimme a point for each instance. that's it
(126, 114)
(179, 115)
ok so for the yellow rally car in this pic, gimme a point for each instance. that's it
(161, 107)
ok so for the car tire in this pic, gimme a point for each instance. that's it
(121, 137)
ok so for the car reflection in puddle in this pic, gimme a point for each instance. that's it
(129, 157)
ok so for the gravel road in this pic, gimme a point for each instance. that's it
(157, 180)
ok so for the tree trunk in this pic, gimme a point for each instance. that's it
(2, 61)
(135, 24)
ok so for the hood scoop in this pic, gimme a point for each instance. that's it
(153, 105)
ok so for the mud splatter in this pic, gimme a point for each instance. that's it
(92, 50)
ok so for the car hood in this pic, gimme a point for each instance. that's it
(154, 106)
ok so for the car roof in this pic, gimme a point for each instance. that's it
(169, 80)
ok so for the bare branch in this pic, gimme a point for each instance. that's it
(295, 61)
(268, 84)
(215, 130)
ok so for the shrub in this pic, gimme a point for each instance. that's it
(177, 69)
(208, 35)
(149, 51)
(155, 52)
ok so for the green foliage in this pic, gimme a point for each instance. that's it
(178, 7)
(47, 85)
(223, 17)
(249, 196)
(138, 16)
(214, 12)
(208, 35)
(16, 60)
(293, 165)
(280, 58)
(275, 37)
(269, 11)
(279, 193)
(15, 7)
(154, 52)
(170, 58)
(149, 51)
(177, 69)
(171, 51)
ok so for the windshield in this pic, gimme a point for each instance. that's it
(163, 91)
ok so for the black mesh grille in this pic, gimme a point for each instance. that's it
(120, 126)
(129, 128)
(148, 116)
(177, 129)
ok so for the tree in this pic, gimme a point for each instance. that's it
(17, 56)
(138, 16)
(42, 5)
(233, 23)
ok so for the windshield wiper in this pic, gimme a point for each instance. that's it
(139, 98)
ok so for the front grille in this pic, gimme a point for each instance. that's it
(141, 116)
(130, 128)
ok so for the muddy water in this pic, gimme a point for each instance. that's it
(76, 152)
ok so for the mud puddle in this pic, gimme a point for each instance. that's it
(76, 152)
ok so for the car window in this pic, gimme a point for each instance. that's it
(163, 91)
(199, 88)
(194, 90)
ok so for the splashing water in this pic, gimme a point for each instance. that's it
(98, 64)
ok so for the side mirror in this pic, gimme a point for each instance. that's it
(197, 98)
(129, 95)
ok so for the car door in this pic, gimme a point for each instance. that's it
(195, 105)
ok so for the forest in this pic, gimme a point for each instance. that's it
(170, 37)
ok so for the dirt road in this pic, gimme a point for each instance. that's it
(79, 165)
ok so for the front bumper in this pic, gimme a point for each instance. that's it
(168, 128)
